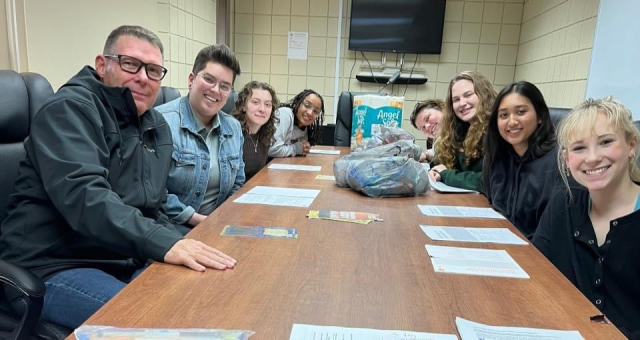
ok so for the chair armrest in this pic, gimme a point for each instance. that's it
(21, 279)
(29, 305)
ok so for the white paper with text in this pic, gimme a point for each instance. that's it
(311, 332)
(473, 261)
(279, 196)
(466, 234)
(459, 211)
(278, 166)
(476, 331)
(324, 151)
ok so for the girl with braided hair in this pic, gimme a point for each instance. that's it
(300, 125)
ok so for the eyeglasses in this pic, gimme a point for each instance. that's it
(212, 81)
(308, 106)
(133, 65)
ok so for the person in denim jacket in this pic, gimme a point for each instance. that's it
(207, 165)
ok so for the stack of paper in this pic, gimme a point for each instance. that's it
(279, 196)
(311, 332)
(476, 331)
(441, 187)
(324, 152)
(463, 234)
(278, 166)
(459, 211)
(471, 261)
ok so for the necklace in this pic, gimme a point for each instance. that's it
(255, 143)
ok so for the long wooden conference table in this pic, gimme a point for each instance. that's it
(345, 274)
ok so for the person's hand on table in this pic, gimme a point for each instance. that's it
(424, 157)
(198, 256)
(434, 173)
(306, 147)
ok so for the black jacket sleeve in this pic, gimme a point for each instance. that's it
(69, 151)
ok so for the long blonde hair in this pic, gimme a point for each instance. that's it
(455, 133)
(583, 118)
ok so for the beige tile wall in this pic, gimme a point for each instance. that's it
(185, 27)
(260, 42)
(555, 48)
(61, 36)
(478, 35)
(5, 58)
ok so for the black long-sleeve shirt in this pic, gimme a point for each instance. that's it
(608, 275)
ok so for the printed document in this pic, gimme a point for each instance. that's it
(324, 151)
(459, 211)
(465, 234)
(311, 332)
(476, 331)
(473, 261)
(288, 197)
(278, 166)
(441, 187)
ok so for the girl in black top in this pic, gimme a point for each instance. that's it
(520, 168)
(255, 109)
(590, 231)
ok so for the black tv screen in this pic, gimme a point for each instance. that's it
(398, 26)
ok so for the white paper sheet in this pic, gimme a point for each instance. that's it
(465, 234)
(441, 187)
(311, 332)
(472, 261)
(324, 151)
(297, 46)
(278, 166)
(459, 211)
(476, 331)
(279, 196)
(326, 177)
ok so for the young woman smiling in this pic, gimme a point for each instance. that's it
(207, 165)
(297, 132)
(520, 168)
(459, 148)
(255, 110)
(591, 232)
(426, 117)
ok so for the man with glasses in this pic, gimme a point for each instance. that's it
(207, 164)
(86, 216)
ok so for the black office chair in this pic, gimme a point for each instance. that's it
(231, 102)
(557, 114)
(165, 95)
(21, 97)
(344, 115)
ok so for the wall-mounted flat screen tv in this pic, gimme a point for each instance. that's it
(398, 26)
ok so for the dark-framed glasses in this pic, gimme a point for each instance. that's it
(308, 106)
(212, 81)
(133, 65)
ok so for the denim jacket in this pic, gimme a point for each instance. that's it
(189, 174)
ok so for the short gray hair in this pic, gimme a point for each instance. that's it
(134, 31)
